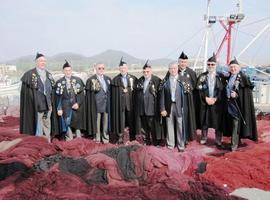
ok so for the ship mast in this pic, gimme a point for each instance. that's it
(205, 39)
(227, 23)
(208, 25)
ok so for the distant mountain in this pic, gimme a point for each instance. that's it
(69, 56)
(161, 62)
(110, 58)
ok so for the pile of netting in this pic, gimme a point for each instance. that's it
(82, 169)
(244, 168)
(30, 168)
(247, 167)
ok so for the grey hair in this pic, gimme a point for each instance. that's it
(172, 63)
(99, 63)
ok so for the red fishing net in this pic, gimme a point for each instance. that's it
(82, 169)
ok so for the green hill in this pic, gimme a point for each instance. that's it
(79, 62)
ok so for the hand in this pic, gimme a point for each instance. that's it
(233, 94)
(208, 100)
(60, 112)
(163, 113)
(75, 106)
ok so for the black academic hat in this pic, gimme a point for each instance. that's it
(66, 64)
(146, 65)
(234, 61)
(39, 55)
(122, 62)
(183, 56)
(213, 58)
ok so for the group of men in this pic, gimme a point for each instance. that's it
(171, 108)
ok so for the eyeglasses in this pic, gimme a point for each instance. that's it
(42, 60)
(211, 64)
(100, 68)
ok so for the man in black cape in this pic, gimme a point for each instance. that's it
(37, 110)
(70, 103)
(98, 98)
(240, 106)
(174, 102)
(123, 114)
(147, 106)
(184, 70)
(210, 90)
(188, 75)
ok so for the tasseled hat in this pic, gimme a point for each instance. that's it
(212, 59)
(234, 61)
(39, 55)
(66, 64)
(146, 65)
(122, 62)
(183, 56)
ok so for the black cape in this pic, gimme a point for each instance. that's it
(210, 116)
(189, 118)
(92, 86)
(78, 116)
(28, 104)
(117, 104)
(245, 103)
(154, 89)
(191, 75)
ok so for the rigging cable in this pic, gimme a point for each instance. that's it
(245, 33)
(187, 40)
(260, 20)
(214, 38)
(259, 47)
(234, 39)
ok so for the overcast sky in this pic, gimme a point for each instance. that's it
(143, 28)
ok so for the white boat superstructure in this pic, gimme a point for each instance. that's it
(9, 88)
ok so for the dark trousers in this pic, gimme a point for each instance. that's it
(149, 128)
(127, 122)
(218, 135)
(235, 134)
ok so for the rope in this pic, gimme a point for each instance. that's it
(245, 33)
(234, 40)
(260, 47)
(187, 40)
(214, 39)
(260, 20)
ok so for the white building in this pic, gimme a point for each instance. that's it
(7, 68)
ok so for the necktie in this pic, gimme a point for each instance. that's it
(230, 85)
(182, 73)
(124, 78)
(211, 84)
(173, 87)
(68, 85)
(104, 86)
(42, 75)
(145, 85)
(173, 83)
